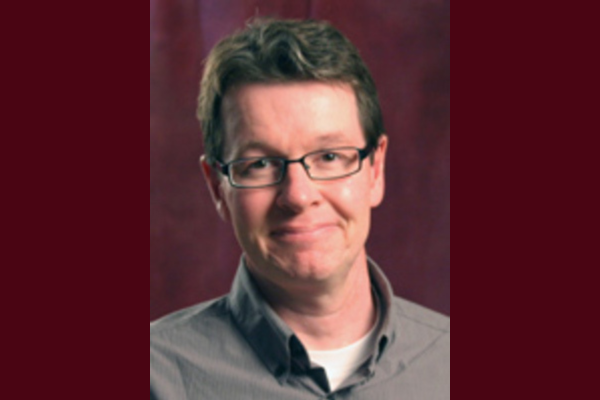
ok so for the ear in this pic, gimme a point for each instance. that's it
(215, 181)
(378, 172)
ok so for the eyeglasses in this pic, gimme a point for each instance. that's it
(321, 165)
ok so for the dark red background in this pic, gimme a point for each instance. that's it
(406, 43)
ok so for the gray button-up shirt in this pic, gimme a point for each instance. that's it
(236, 347)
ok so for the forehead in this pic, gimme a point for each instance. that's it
(289, 117)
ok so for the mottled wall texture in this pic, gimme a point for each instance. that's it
(406, 44)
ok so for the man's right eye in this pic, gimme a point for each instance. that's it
(259, 164)
(253, 167)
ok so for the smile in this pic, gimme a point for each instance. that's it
(302, 233)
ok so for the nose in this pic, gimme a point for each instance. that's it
(297, 191)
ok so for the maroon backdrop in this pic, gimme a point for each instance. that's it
(406, 43)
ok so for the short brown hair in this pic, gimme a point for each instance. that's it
(272, 50)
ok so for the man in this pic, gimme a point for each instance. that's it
(295, 155)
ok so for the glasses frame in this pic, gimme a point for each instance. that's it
(224, 168)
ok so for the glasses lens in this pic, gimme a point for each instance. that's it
(333, 163)
(256, 171)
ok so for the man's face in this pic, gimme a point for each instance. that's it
(301, 231)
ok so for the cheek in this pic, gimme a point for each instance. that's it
(248, 209)
(352, 200)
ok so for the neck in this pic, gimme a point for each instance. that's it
(326, 316)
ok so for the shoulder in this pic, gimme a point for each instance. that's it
(423, 334)
(198, 320)
(178, 343)
(195, 351)
(183, 341)
(418, 355)
(420, 316)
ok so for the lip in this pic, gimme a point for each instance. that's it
(301, 232)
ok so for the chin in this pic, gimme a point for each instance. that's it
(309, 266)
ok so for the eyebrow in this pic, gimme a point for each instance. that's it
(328, 139)
(252, 145)
(332, 138)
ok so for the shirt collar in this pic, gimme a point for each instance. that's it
(275, 343)
(385, 295)
(268, 335)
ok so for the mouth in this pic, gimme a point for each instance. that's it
(302, 233)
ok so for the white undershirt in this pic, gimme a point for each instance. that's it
(340, 364)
